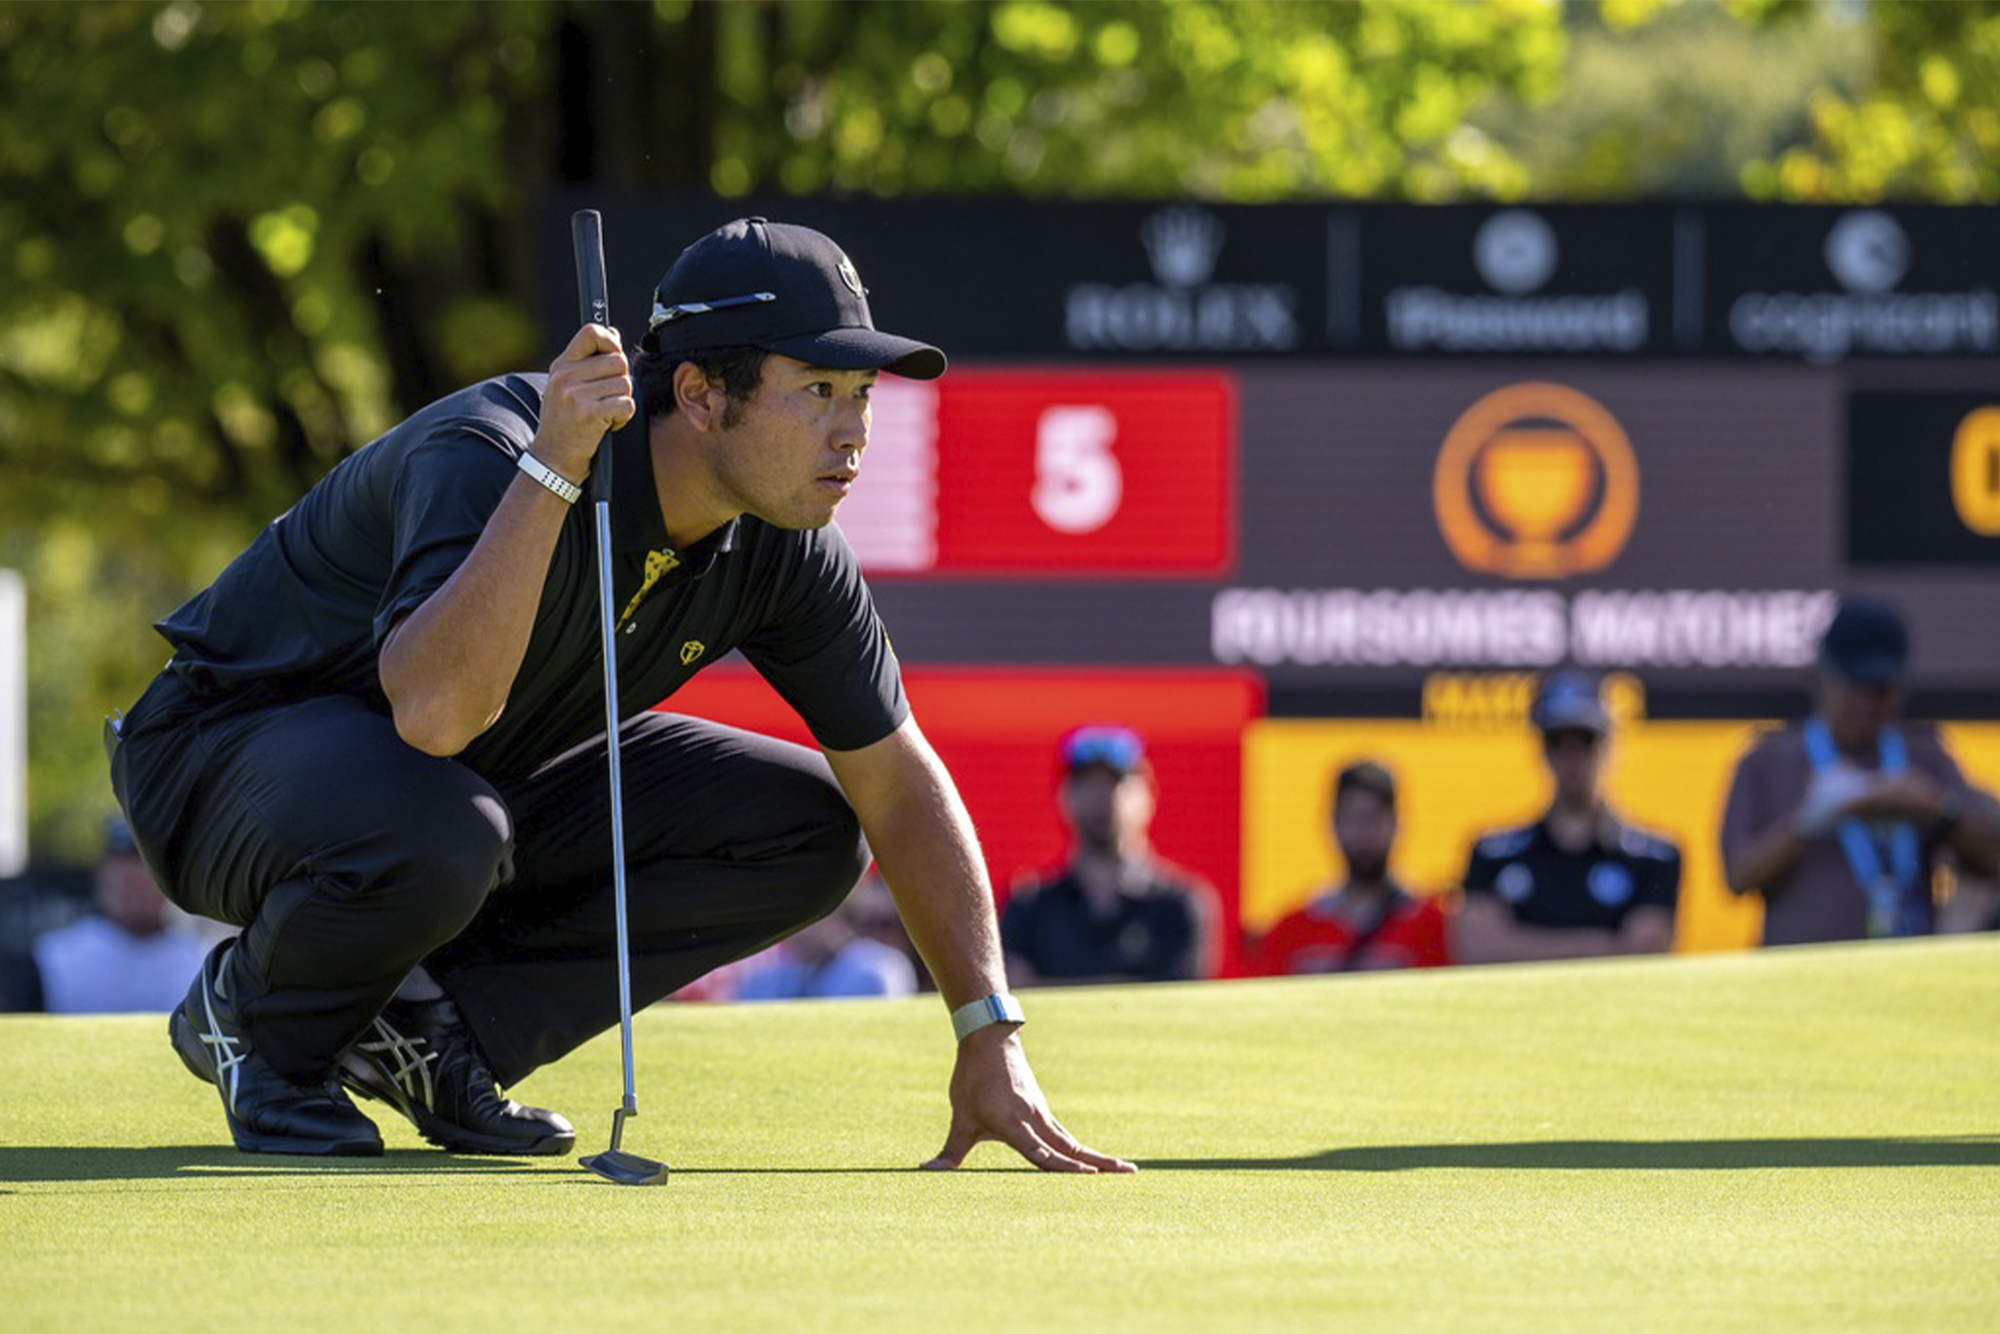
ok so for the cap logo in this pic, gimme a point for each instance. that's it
(849, 276)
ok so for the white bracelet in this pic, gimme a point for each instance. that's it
(566, 490)
(998, 1008)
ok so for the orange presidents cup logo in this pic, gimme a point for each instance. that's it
(1536, 481)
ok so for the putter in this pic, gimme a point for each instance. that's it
(593, 289)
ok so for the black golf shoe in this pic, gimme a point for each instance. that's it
(419, 1057)
(267, 1113)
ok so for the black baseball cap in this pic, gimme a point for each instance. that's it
(1865, 642)
(1568, 701)
(785, 289)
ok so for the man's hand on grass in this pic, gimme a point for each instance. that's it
(994, 1097)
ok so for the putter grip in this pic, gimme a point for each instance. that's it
(593, 292)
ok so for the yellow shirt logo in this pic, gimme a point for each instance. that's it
(691, 650)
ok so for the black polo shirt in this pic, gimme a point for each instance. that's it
(1622, 868)
(1154, 932)
(304, 610)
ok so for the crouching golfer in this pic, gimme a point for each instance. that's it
(378, 747)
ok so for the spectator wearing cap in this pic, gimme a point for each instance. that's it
(1579, 882)
(1367, 921)
(1840, 822)
(136, 952)
(1114, 911)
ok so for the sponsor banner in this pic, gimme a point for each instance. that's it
(1556, 280)
(1923, 479)
(1824, 285)
(1049, 473)
(1013, 278)
(1180, 280)
(1214, 280)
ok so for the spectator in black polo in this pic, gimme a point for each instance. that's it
(1114, 911)
(1579, 882)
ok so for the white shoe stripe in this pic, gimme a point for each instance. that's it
(412, 1072)
(222, 1049)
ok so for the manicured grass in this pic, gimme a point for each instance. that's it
(1805, 1139)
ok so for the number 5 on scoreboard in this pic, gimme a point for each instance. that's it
(1078, 483)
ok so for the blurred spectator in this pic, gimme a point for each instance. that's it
(1368, 921)
(1578, 882)
(1114, 912)
(1974, 904)
(1839, 823)
(842, 954)
(136, 952)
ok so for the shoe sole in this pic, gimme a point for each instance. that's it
(359, 1079)
(188, 1047)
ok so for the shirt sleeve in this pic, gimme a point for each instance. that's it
(824, 649)
(447, 490)
(1432, 935)
(1661, 885)
(1747, 813)
(1481, 871)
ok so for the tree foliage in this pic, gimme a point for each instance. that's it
(1926, 126)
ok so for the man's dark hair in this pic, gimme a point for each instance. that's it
(1366, 776)
(739, 370)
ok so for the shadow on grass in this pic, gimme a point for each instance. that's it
(1698, 1155)
(189, 1162)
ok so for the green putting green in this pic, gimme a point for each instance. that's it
(1803, 1139)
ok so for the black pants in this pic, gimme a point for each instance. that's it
(349, 857)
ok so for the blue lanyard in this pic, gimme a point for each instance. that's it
(1864, 854)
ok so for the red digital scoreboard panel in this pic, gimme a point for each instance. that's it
(1050, 473)
(997, 730)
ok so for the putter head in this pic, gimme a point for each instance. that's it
(614, 1164)
(627, 1169)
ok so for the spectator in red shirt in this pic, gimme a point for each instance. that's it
(1368, 921)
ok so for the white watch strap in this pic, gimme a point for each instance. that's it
(998, 1008)
(568, 491)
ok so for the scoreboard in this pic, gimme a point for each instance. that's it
(1233, 474)
(1348, 447)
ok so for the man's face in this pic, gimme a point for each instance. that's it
(1102, 806)
(1365, 828)
(1576, 759)
(789, 452)
(1857, 711)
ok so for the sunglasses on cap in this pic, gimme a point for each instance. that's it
(1116, 748)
